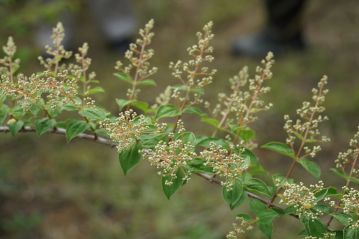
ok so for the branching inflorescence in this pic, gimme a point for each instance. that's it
(242, 105)
(306, 128)
(157, 133)
(349, 158)
(170, 159)
(302, 198)
(227, 164)
(194, 74)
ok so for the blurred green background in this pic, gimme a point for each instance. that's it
(50, 189)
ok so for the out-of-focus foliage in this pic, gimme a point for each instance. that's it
(18, 16)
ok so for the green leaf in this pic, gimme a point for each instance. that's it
(290, 210)
(351, 233)
(17, 112)
(144, 106)
(342, 174)
(313, 227)
(122, 103)
(147, 83)
(151, 140)
(129, 157)
(94, 113)
(245, 217)
(2, 97)
(339, 234)
(257, 206)
(246, 134)
(194, 111)
(95, 90)
(206, 142)
(255, 167)
(322, 208)
(54, 111)
(122, 76)
(169, 190)
(197, 165)
(235, 196)
(339, 172)
(280, 180)
(70, 107)
(324, 193)
(280, 148)
(74, 128)
(265, 222)
(210, 121)
(15, 126)
(342, 218)
(44, 125)
(167, 111)
(265, 216)
(311, 167)
(187, 137)
(256, 185)
(35, 109)
(4, 111)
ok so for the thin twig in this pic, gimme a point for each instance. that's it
(61, 131)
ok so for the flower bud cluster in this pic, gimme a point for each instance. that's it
(56, 91)
(60, 90)
(302, 198)
(82, 59)
(225, 163)
(126, 129)
(306, 127)
(241, 106)
(81, 70)
(240, 227)
(138, 56)
(193, 74)
(350, 203)
(326, 235)
(164, 98)
(56, 51)
(8, 64)
(57, 86)
(169, 157)
(350, 157)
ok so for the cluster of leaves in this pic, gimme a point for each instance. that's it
(42, 101)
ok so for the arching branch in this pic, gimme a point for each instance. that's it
(106, 141)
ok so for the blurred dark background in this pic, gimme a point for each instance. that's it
(50, 189)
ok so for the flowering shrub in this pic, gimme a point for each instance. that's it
(157, 133)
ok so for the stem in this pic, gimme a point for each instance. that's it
(221, 123)
(11, 75)
(84, 75)
(352, 170)
(181, 109)
(136, 78)
(61, 131)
